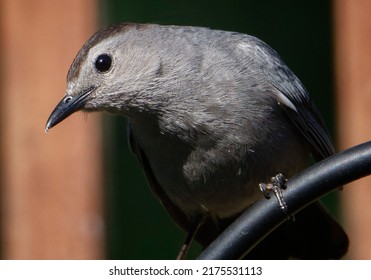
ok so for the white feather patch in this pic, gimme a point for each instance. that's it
(284, 100)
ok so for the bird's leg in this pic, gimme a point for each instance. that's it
(195, 224)
(278, 183)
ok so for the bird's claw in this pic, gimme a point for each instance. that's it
(278, 183)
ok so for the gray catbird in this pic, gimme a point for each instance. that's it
(211, 115)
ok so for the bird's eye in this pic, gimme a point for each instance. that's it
(103, 63)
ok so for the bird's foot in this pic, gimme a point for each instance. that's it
(195, 224)
(278, 183)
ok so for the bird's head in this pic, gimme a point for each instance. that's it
(113, 71)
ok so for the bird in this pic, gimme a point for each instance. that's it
(211, 115)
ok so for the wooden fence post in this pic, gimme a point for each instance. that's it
(50, 184)
(353, 85)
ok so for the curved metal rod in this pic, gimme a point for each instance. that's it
(308, 186)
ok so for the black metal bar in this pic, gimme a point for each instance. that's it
(311, 184)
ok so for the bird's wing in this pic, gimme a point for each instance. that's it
(295, 101)
(177, 215)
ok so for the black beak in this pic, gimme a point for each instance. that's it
(66, 107)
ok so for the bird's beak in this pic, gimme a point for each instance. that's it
(66, 107)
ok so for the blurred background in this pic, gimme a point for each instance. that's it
(78, 193)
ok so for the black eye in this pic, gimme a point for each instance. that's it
(103, 63)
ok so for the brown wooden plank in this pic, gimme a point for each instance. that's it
(51, 191)
(353, 85)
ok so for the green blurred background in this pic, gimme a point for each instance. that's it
(300, 31)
